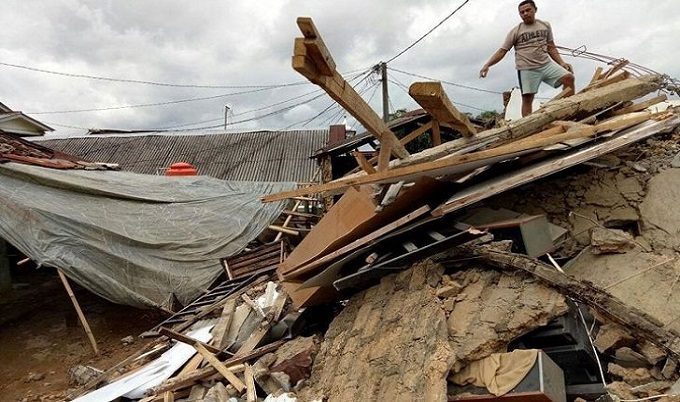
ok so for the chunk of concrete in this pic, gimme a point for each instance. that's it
(609, 241)
(627, 357)
(612, 336)
(651, 352)
(631, 376)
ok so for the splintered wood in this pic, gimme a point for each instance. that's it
(600, 118)
(614, 87)
(235, 343)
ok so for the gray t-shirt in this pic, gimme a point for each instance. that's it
(530, 43)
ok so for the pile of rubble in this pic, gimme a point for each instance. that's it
(462, 272)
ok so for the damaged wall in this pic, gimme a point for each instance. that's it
(400, 339)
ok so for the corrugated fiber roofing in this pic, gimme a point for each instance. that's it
(250, 156)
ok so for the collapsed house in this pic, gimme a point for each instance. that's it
(534, 261)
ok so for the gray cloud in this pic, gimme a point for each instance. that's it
(213, 42)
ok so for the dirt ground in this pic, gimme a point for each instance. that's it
(41, 337)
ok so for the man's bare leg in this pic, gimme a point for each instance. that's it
(568, 83)
(527, 103)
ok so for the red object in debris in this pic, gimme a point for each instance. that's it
(181, 169)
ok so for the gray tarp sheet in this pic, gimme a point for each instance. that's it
(133, 239)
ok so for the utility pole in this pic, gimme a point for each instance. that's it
(385, 96)
(226, 111)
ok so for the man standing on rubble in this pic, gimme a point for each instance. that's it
(536, 56)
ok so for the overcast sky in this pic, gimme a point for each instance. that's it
(249, 43)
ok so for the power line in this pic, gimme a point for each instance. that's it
(428, 32)
(447, 82)
(163, 103)
(160, 84)
(151, 104)
(246, 112)
(366, 75)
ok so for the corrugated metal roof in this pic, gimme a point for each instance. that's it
(250, 156)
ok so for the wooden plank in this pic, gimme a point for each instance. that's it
(254, 253)
(81, 316)
(391, 194)
(251, 395)
(320, 56)
(288, 231)
(192, 364)
(596, 75)
(563, 109)
(262, 257)
(219, 304)
(336, 86)
(301, 214)
(363, 162)
(384, 154)
(432, 97)
(408, 138)
(220, 329)
(187, 339)
(253, 306)
(436, 133)
(304, 64)
(483, 190)
(624, 75)
(160, 398)
(278, 307)
(357, 243)
(623, 121)
(640, 106)
(618, 66)
(191, 378)
(258, 335)
(220, 367)
(430, 168)
(417, 132)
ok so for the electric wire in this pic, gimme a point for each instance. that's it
(144, 82)
(446, 82)
(364, 74)
(174, 102)
(670, 84)
(366, 77)
(428, 32)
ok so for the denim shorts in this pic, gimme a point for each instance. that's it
(529, 80)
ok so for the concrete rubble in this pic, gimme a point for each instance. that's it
(391, 293)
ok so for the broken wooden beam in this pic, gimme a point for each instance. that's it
(190, 378)
(640, 106)
(432, 97)
(562, 109)
(187, 339)
(220, 367)
(433, 168)
(525, 175)
(313, 61)
(623, 75)
(79, 311)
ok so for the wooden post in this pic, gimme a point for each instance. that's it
(313, 60)
(385, 95)
(81, 316)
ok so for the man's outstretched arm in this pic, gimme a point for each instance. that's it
(495, 58)
(555, 55)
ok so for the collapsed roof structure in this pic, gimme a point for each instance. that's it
(436, 293)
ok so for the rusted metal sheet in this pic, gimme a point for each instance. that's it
(276, 156)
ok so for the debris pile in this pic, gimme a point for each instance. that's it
(442, 274)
